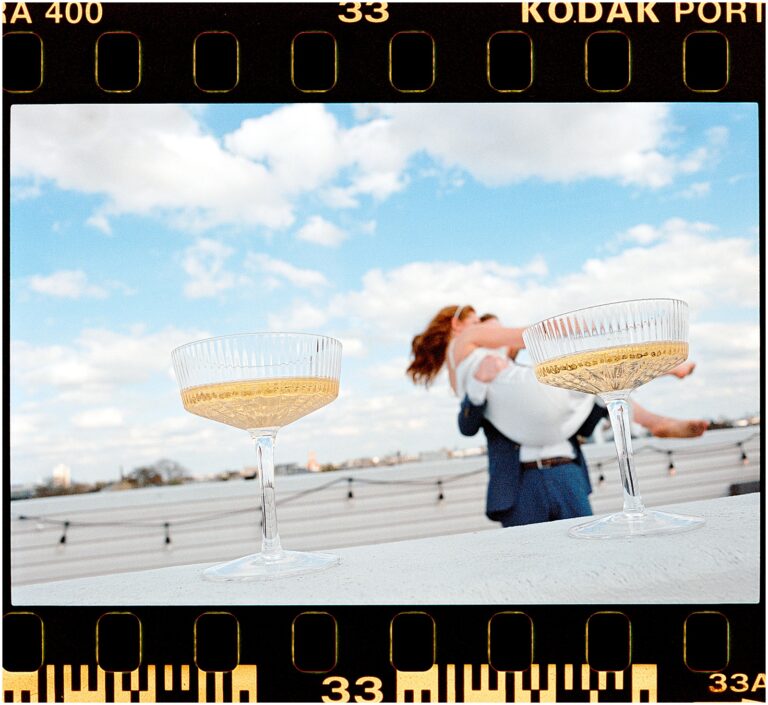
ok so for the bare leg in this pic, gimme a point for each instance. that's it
(682, 370)
(667, 427)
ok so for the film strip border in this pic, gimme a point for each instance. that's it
(359, 51)
(458, 683)
(544, 654)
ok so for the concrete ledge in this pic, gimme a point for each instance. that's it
(538, 564)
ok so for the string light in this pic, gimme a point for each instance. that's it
(744, 457)
(42, 521)
(671, 469)
(63, 538)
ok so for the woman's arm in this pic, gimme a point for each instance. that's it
(484, 335)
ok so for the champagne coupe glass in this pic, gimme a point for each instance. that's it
(610, 350)
(260, 382)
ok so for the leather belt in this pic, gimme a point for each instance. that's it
(546, 463)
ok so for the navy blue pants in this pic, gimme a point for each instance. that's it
(548, 494)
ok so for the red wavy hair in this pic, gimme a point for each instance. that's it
(428, 347)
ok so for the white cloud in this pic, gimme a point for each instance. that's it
(698, 189)
(392, 370)
(98, 361)
(502, 145)
(26, 427)
(66, 284)
(105, 417)
(643, 234)
(718, 136)
(280, 269)
(353, 347)
(299, 317)
(646, 233)
(392, 305)
(166, 164)
(299, 144)
(368, 227)
(736, 345)
(321, 232)
(204, 264)
(145, 159)
(100, 222)
(707, 272)
(22, 191)
(340, 197)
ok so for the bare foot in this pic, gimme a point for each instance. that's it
(683, 369)
(678, 428)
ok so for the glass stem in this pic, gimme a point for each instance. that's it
(619, 413)
(270, 539)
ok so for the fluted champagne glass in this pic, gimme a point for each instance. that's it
(260, 382)
(609, 350)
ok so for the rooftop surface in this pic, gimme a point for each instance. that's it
(536, 564)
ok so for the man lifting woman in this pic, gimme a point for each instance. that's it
(537, 471)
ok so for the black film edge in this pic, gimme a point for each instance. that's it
(120, 53)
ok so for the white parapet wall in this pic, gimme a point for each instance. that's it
(537, 564)
(114, 532)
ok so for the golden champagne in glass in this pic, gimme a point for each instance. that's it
(260, 382)
(610, 350)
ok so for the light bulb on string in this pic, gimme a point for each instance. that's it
(671, 470)
(744, 457)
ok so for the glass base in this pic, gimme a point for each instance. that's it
(257, 567)
(649, 523)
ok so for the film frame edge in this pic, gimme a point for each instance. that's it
(359, 673)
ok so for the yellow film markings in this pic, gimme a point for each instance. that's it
(450, 674)
(413, 686)
(520, 686)
(183, 680)
(84, 694)
(484, 694)
(568, 676)
(244, 678)
(415, 683)
(23, 685)
(644, 678)
(145, 696)
(546, 695)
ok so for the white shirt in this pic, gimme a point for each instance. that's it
(539, 417)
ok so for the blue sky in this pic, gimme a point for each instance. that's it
(137, 228)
